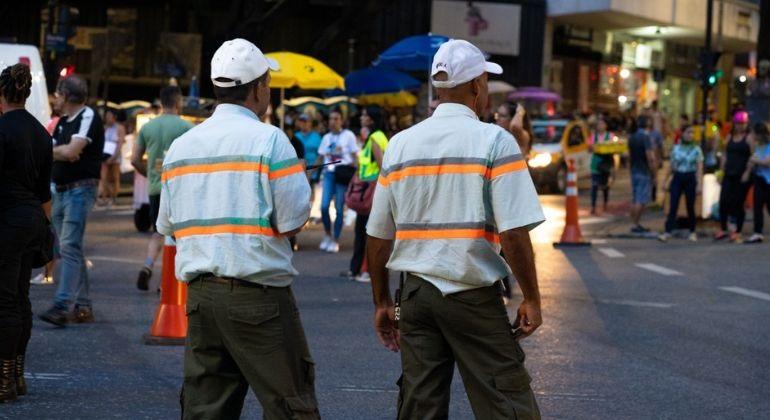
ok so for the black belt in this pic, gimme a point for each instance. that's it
(230, 281)
(76, 184)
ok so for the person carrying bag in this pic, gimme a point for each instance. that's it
(360, 193)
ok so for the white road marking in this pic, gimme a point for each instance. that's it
(655, 268)
(353, 389)
(611, 252)
(659, 305)
(572, 397)
(599, 241)
(45, 376)
(113, 259)
(746, 292)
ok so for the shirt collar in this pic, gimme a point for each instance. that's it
(454, 109)
(233, 109)
(72, 117)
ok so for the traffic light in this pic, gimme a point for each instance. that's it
(708, 74)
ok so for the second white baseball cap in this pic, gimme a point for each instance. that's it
(462, 62)
(240, 61)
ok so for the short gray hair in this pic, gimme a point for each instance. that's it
(73, 88)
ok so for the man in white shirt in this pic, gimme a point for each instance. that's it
(452, 190)
(232, 193)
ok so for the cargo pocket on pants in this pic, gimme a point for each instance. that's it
(302, 407)
(514, 386)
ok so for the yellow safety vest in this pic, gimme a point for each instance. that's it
(368, 170)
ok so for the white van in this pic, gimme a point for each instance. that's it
(37, 103)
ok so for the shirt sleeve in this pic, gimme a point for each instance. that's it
(140, 139)
(381, 219)
(323, 146)
(86, 120)
(289, 186)
(164, 224)
(514, 200)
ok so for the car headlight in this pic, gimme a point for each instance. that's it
(540, 160)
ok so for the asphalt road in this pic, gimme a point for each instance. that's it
(633, 329)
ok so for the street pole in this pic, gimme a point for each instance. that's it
(707, 66)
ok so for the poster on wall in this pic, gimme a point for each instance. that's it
(493, 27)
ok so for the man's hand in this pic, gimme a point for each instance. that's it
(528, 318)
(385, 327)
(698, 188)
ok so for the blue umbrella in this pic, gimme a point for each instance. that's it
(378, 80)
(414, 53)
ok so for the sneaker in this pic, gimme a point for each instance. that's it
(755, 238)
(736, 238)
(719, 235)
(325, 243)
(41, 279)
(363, 278)
(693, 237)
(347, 274)
(54, 316)
(82, 315)
(664, 237)
(639, 229)
(143, 281)
(333, 248)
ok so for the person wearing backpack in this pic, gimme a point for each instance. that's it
(361, 189)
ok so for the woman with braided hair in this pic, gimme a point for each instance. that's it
(25, 203)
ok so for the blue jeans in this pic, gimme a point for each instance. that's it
(683, 183)
(333, 190)
(69, 213)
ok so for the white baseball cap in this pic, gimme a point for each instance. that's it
(462, 62)
(240, 61)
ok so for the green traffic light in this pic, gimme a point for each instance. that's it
(712, 80)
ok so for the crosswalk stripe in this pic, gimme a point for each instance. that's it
(113, 259)
(660, 305)
(655, 268)
(611, 252)
(746, 292)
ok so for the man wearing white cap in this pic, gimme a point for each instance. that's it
(233, 191)
(449, 307)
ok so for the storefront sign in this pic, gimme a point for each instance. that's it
(493, 27)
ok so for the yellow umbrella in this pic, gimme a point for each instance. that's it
(297, 70)
(302, 71)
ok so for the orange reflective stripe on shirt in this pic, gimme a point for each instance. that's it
(438, 231)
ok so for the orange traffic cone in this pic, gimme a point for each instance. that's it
(170, 324)
(571, 235)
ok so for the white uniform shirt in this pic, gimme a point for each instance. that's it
(229, 186)
(448, 186)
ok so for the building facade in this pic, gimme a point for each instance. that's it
(616, 55)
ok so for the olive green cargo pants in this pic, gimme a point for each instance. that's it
(240, 336)
(471, 328)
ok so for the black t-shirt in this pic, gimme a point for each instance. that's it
(738, 154)
(25, 161)
(85, 124)
(638, 145)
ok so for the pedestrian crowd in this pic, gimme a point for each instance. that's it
(235, 185)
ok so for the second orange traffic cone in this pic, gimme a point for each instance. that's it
(170, 324)
(571, 235)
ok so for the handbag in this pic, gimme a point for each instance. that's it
(343, 174)
(45, 252)
(360, 195)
